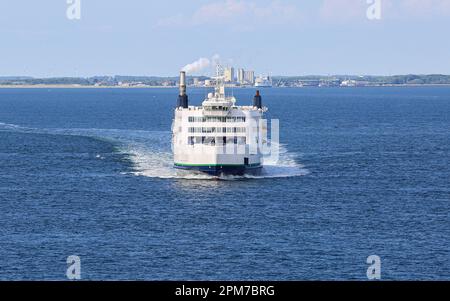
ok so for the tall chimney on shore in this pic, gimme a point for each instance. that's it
(183, 98)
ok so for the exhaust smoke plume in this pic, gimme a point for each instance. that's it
(197, 66)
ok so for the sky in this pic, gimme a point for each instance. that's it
(278, 37)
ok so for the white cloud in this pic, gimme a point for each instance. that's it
(223, 11)
(354, 10)
(248, 15)
(238, 14)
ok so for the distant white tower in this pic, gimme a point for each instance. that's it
(249, 77)
(241, 76)
(229, 74)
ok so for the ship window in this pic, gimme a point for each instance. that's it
(191, 140)
(209, 140)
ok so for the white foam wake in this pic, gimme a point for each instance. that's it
(155, 160)
(151, 155)
(9, 126)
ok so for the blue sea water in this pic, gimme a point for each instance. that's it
(88, 172)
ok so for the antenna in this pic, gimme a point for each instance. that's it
(220, 84)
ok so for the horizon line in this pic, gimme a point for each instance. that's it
(174, 76)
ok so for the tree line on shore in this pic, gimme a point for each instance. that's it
(411, 79)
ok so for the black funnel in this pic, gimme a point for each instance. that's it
(183, 98)
(257, 100)
(183, 101)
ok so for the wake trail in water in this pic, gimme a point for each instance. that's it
(9, 126)
(151, 155)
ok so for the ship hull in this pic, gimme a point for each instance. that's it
(218, 170)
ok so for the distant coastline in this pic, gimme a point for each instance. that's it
(5, 87)
(79, 87)
(132, 82)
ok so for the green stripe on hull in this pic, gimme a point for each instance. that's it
(217, 165)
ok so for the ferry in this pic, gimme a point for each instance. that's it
(218, 137)
(263, 82)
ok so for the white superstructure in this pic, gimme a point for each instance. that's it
(218, 136)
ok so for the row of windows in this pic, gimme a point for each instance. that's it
(217, 140)
(216, 119)
(216, 108)
(217, 130)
